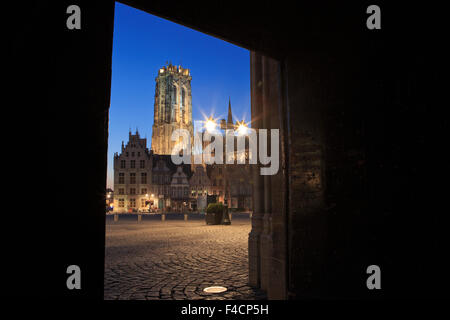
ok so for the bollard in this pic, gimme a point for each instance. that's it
(139, 217)
(163, 217)
(231, 215)
(116, 217)
(185, 217)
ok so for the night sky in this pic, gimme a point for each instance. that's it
(144, 43)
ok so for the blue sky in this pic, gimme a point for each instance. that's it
(142, 44)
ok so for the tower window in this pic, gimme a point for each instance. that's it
(183, 96)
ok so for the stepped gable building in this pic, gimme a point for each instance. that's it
(167, 178)
(200, 187)
(132, 175)
(161, 178)
(180, 188)
(172, 108)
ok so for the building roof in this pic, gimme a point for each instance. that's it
(230, 115)
(170, 165)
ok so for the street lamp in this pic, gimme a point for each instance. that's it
(210, 124)
(241, 128)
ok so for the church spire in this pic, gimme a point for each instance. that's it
(230, 116)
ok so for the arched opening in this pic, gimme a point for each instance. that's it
(355, 187)
(156, 224)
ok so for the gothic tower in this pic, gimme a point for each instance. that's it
(173, 107)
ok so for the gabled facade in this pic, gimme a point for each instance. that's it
(200, 187)
(132, 175)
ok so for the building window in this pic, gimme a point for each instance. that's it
(139, 154)
(133, 164)
(121, 203)
(183, 96)
(143, 203)
(132, 154)
(132, 190)
(132, 178)
(144, 191)
(142, 164)
(179, 180)
(174, 94)
(126, 154)
(121, 191)
(185, 191)
(143, 177)
(122, 164)
(121, 178)
(133, 203)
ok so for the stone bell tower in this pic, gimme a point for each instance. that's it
(173, 107)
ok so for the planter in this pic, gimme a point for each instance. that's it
(217, 213)
(213, 218)
(214, 213)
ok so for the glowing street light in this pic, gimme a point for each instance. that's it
(210, 125)
(241, 128)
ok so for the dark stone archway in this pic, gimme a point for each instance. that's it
(354, 184)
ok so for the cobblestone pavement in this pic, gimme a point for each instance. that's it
(176, 259)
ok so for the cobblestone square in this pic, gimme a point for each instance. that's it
(176, 259)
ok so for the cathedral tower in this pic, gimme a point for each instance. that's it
(173, 107)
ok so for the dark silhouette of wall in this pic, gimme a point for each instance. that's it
(356, 185)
